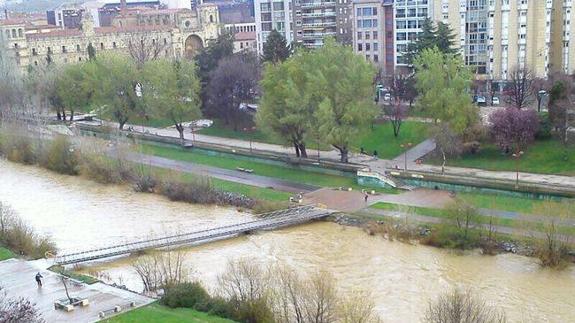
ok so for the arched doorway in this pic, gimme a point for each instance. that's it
(192, 46)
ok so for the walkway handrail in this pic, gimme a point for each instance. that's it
(278, 219)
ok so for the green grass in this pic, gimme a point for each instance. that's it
(157, 313)
(219, 129)
(5, 254)
(74, 275)
(156, 122)
(483, 219)
(381, 138)
(275, 171)
(506, 203)
(544, 157)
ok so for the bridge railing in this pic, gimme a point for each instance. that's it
(273, 219)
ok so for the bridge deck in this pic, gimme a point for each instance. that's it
(267, 221)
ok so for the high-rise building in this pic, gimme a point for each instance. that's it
(314, 20)
(409, 16)
(270, 15)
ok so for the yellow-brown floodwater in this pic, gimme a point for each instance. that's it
(80, 214)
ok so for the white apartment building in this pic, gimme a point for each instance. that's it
(270, 15)
(409, 16)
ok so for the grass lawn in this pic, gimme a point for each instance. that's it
(155, 122)
(295, 175)
(507, 203)
(5, 254)
(218, 129)
(441, 213)
(545, 157)
(381, 138)
(157, 313)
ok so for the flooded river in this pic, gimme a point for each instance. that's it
(80, 214)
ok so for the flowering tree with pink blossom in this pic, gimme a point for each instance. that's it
(513, 129)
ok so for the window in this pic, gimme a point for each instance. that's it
(265, 7)
(63, 49)
(400, 36)
(400, 24)
(367, 47)
(367, 35)
(101, 45)
(77, 48)
(34, 52)
(376, 58)
(367, 23)
(400, 13)
(49, 50)
(375, 46)
(359, 47)
(375, 35)
(359, 34)
(374, 22)
(278, 6)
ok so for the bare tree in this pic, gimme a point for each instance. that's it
(447, 142)
(553, 249)
(520, 88)
(358, 307)
(161, 269)
(144, 46)
(243, 281)
(462, 307)
(321, 299)
(17, 310)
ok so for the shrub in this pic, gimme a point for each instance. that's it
(545, 126)
(18, 148)
(190, 295)
(100, 169)
(60, 157)
(19, 237)
(197, 191)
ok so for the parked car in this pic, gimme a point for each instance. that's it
(495, 101)
(481, 101)
(387, 97)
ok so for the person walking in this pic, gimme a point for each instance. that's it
(365, 196)
(39, 279)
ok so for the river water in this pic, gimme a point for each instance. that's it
(80, 214)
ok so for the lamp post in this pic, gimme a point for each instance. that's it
(249, 131)
(406, 147)
(517, 156)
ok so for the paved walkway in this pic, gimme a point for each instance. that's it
(220, 173)
(417, 152)
(17, 278)
(379, 165)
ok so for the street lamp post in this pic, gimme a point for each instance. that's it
(406, 147)
(517, 156)
(249, 131)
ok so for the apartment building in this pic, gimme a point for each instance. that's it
(270, 15)
(409, 16)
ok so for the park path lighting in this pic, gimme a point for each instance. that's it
(406, 147)
(517, 156)
(250, 131)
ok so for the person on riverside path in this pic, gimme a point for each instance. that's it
(39, 279)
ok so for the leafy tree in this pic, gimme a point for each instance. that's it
(513, 129)
(287, 108)
(443, 84)
(114, 79)
(74, 89)
(276, 48)
(11, 81)
(520, 88)
(440, 37)
(448, 143)
(560, 101)
(343, 82)
(208, 58)
(171, 91)
(233, 82)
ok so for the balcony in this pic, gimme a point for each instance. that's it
(318, 35)
(318, 14)
(319, 24)
(317, 4)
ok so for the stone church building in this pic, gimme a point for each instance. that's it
(175, 33)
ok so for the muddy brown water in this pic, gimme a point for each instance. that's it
(80, 214)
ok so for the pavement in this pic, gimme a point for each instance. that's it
(220, 173)
(380, 165)
(17, 279)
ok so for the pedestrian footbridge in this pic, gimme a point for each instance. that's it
(268, 221)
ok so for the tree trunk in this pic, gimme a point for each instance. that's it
(302, 150)
(180, 129)
(122, 122)
(344, 154)
(295, 145)
(63, 114)
(58, 115)
(71, 115)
